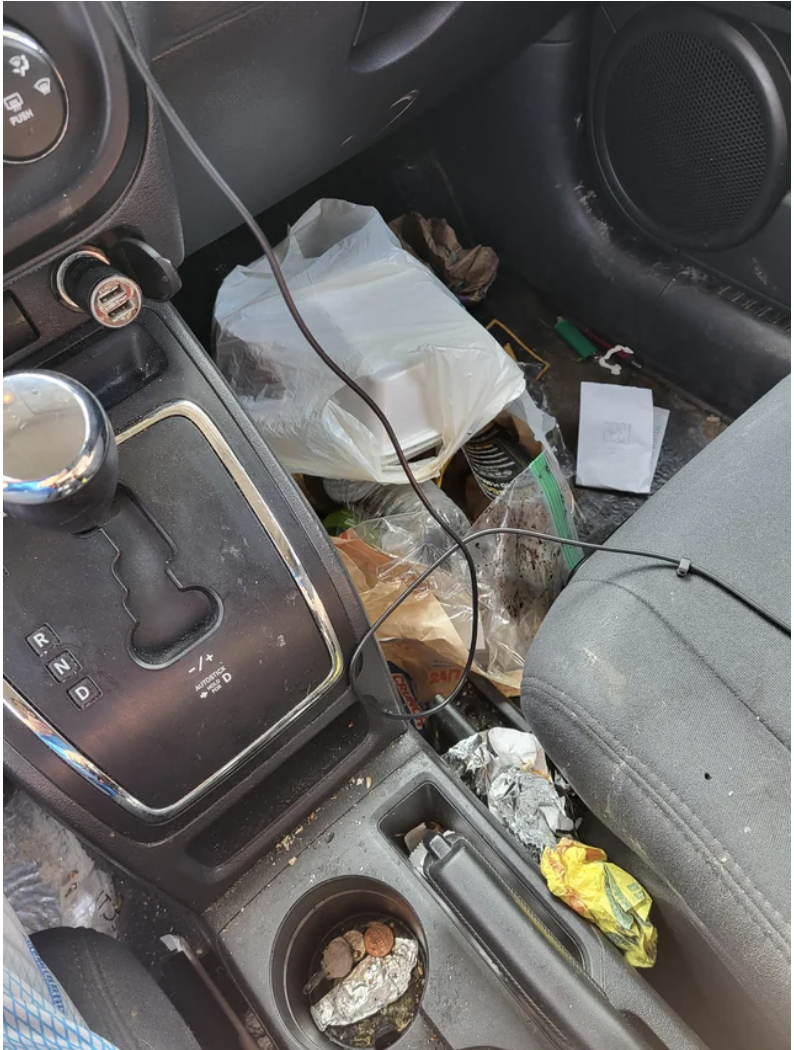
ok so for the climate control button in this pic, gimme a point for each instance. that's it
(35, 105)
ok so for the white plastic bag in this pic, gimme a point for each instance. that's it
(378, 312)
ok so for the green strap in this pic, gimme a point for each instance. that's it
(563, 525)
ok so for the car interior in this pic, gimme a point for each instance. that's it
(217, 795)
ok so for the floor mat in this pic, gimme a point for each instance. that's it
(691, 426)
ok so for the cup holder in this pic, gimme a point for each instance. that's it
(323, 913)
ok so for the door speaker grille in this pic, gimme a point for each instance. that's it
(690, 127)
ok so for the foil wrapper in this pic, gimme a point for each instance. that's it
(530, 808)
(370, 986)
(507, 770)
(479, 759)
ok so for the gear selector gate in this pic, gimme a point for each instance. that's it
(147, 640)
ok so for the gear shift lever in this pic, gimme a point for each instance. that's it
(60, 460)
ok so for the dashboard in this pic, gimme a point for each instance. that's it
(276, 93)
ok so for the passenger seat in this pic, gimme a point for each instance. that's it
(667, 704)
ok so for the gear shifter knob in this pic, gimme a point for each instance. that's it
(60, 460)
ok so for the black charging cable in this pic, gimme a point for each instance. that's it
(682, 565)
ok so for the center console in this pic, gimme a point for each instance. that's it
(199, 637)
(176, 689)
(174, 680)
(508, 966)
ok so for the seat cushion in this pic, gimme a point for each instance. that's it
(116, 996)
(667, 703)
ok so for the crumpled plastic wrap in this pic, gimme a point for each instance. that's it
(603, 894)
(425, 640)
(374, 308)
(519, 578)
(48, 878)
(370, 502)
(507, 769)
(373, 984)
(533, 410)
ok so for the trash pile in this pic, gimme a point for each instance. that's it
(388, 321)
(388, 305)
(376, 975)
(507, 769)
(484, 450)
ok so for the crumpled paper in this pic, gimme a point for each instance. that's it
(603, 894)
(507, 769)
(467, 272)
(426, 639)
(373, 984)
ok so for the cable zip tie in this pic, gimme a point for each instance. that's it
(683, 567)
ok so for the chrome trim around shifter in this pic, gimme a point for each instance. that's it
(22, 710)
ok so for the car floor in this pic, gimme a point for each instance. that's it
(691, 426)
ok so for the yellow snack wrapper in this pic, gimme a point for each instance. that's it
(603, 894)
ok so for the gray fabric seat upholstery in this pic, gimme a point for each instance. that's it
(667, 705)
